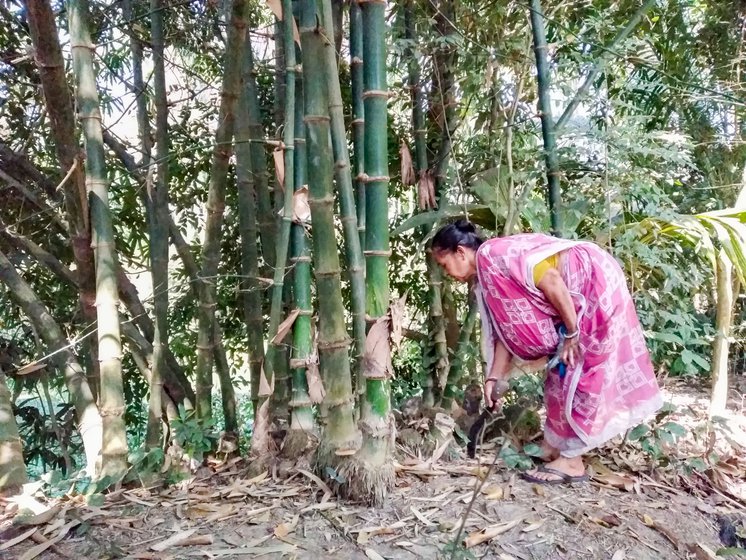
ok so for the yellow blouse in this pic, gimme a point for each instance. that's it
(541, 268)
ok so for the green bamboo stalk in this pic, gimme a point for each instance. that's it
(89, 419)
(276, 307)
(59, 104)
(340, 437)
(416, 94)
(554, 196)
(301, 406)
(444, 103)
(265, 216)
(247, 226)
(373, 467)
(353, 250)
(456, 371)
(114, 450)
(159, 226)
(607, 53)
(12, 467)
(358, 118)
(215, 208)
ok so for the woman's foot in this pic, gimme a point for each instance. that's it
(558, 471)
(548, 453)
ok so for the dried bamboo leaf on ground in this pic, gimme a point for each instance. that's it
(488, 533)
(286, 527)
(173, 540)
(20, 538)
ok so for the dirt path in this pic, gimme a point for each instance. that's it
(230, 516)
(628, 511)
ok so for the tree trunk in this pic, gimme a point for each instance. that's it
(114, 450)
(89, 419)
(12, 467)
(59, 104)
(358, 119)
(554, 196)
(353, 251)
(251, 290)
(215, 208)
(340, 437)
(721, 344)
(372, 473)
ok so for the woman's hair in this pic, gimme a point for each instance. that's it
(461, 233)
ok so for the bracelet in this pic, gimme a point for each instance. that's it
(573, 335)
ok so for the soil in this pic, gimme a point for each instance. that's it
(624, 512)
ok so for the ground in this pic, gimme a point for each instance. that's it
(628, 510)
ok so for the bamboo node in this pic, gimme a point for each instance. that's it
(328, 199)
(374, 253)
(338, 402)
(300, 403)
(116, 411)
(376, 93)
(374, 179)
(311, 119)
(298, 363)
(334, 344)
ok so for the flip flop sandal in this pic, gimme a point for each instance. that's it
(564, 478)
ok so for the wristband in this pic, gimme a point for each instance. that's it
(573, 335)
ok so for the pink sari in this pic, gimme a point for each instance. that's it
(613, 388)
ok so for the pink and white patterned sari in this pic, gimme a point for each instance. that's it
(613, 387)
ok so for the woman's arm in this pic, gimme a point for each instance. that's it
(555, 290)
(498, 375)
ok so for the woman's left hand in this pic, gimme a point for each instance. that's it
(570, 352)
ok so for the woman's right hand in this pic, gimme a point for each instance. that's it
(494, 388)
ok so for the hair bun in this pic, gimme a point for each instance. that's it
(465, 226)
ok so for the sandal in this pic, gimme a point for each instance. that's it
(564, 478)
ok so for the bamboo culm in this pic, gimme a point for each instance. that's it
(346, 196)
(301, 406)
(554, 195)
(215, 207)
(247, 225)
(340, 437)
(372, 473)
(111, 399)
(276, 306)
(358, 118)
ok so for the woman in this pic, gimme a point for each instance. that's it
(540, 297)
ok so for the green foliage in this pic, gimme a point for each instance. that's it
(657, 438)
(195, 437)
